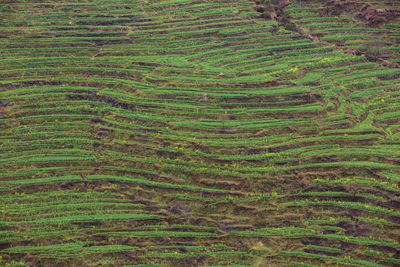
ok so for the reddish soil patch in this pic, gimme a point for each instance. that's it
(282, 3)
(374, 16)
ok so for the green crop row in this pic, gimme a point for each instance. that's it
(70, 249)
(344, 204)
(82, 218)
(153, 183)
(345, 260)
(163, 233)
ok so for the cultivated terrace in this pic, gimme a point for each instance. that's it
(199, 133)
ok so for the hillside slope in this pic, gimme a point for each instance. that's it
(199, 133)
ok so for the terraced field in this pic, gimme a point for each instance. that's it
(199, 133)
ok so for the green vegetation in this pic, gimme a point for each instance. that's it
(199, 133)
